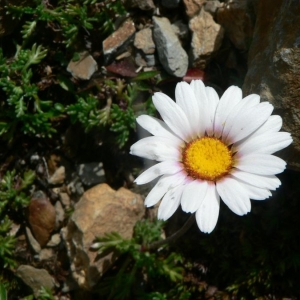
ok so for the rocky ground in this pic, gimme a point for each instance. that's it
(220, 42)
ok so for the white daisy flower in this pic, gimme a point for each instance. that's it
(210, 148)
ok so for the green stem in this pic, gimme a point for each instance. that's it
(174, 236)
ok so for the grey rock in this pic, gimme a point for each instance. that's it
(75, 187)
(91, 173)
(140, 59)
(170, 52)
(118, 40)
(151, 60)
(143, 41)
(35, 278)
(170, 3)
(84, 68)
(274, 67)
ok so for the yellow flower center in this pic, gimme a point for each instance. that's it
(207, 158)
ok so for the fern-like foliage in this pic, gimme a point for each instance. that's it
(138, 263)
(23, 107)
(14, 190)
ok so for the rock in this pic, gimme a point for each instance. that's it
(274, 67)
(60, 215)
(212, 6)
(207, 37)
(181, 30)
(237, 22)
(58, 177)
(141, 4)
(143, 41)
(118, 40)
(91, 173)
(32, 241)
(46, 254)
(84, 68)
(54, 241)
(75, 187)
(35, 278)
(170, 52)
(151, 60)
(140, 60)
(41, 217)
(100, 210)
(65, 199)
(192, 7)
(170, 3)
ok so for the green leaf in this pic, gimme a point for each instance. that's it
(145, 75)
(35, 56)
(65, 83)
(3, 292)
(28, 29)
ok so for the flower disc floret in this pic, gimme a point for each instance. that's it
(207, 158)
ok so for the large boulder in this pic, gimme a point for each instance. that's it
(274, 66)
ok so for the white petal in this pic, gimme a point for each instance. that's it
(193, 195)
(234, 195)
(208, 213)
(169, 203)
(261, 164)
(156, 127)
(256, 193)
(213, 99)
(203, 104)
(165, 167)
(244, 105)
(185, 98)
(173, 115)
(248, 121)
(273, 124)
(270, 182)
(265, 143)
(157, 148)
(164, 184)
(231, 97)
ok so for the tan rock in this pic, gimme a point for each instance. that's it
(192, 7)
(207, 37)
(274, 67)
(83, 68)
(41, 217)
(58, 177)
(35, 278)
(118, 39)
(100, 210)
(143, 40)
